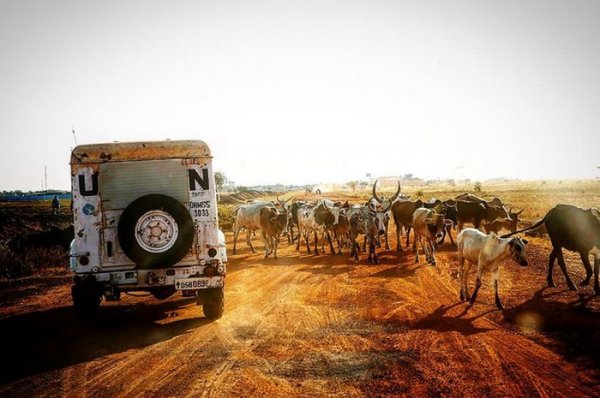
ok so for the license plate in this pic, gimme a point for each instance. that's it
(199, 283)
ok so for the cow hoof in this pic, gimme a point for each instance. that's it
(416, 261)
(551, 283)
(234, 252)
(572, 287)
(584, 282)
(500, 306)
(471, 301)
(316, 253)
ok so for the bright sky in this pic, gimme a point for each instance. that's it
(306, 91)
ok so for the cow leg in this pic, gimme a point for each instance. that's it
(461, 225)
(432, 253)
(354, 248)
(596, 270)
(585, 259)
(316, 243)
(236, 232)
(551, 261)
(330, 243)
(563, 268)
(266, 240)
(407, 237)
(447, 231)
(364, 246)
(306, 236)
(373, 250)
(398, 245)
(495, 283)
(425, 247)
(387, 238)
(417, 238)
(339, 243)
(299, 238)
(466, 267)
(477, 284)
(249, 240)
(275, 245)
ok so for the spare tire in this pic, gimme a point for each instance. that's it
(156, 231)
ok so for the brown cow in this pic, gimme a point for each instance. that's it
(402, 212)
(577, 230)
(429, 226)
(475, 213)
(510, 224)
(272, 224)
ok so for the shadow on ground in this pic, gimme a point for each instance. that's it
(576, 327)
(37, 342)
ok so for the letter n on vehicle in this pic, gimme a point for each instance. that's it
(194, 178)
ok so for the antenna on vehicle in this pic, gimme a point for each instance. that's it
(74, 136)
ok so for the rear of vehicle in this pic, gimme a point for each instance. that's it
(145, 218)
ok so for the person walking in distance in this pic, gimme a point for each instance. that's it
(55, 205)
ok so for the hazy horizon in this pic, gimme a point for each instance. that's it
(306, 92)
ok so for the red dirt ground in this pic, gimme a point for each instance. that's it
(307, 325)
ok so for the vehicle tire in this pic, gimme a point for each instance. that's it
(213, 303)
(86, 300)
(156, 231)
(163, 292)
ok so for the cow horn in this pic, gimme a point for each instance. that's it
(289, 199)
(377, 198)
(397, 193)
(519, 212)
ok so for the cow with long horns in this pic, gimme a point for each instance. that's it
(381, 202)
(367, 220)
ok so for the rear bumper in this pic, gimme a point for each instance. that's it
(130, 280)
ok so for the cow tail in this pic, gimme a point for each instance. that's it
(534, 226)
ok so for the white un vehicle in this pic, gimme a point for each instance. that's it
(145, 217)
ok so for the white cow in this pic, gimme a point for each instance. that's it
(248, 217)
(488, 252)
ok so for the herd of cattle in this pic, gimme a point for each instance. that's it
(568, 227)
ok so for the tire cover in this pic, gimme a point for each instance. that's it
(175, 249)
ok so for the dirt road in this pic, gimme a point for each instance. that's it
(309, 325)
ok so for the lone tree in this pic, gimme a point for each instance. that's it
(220, 180)
(352, 185)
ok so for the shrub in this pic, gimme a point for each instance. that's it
(226, 218)
(477, 186)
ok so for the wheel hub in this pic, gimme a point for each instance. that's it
(156, 231)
